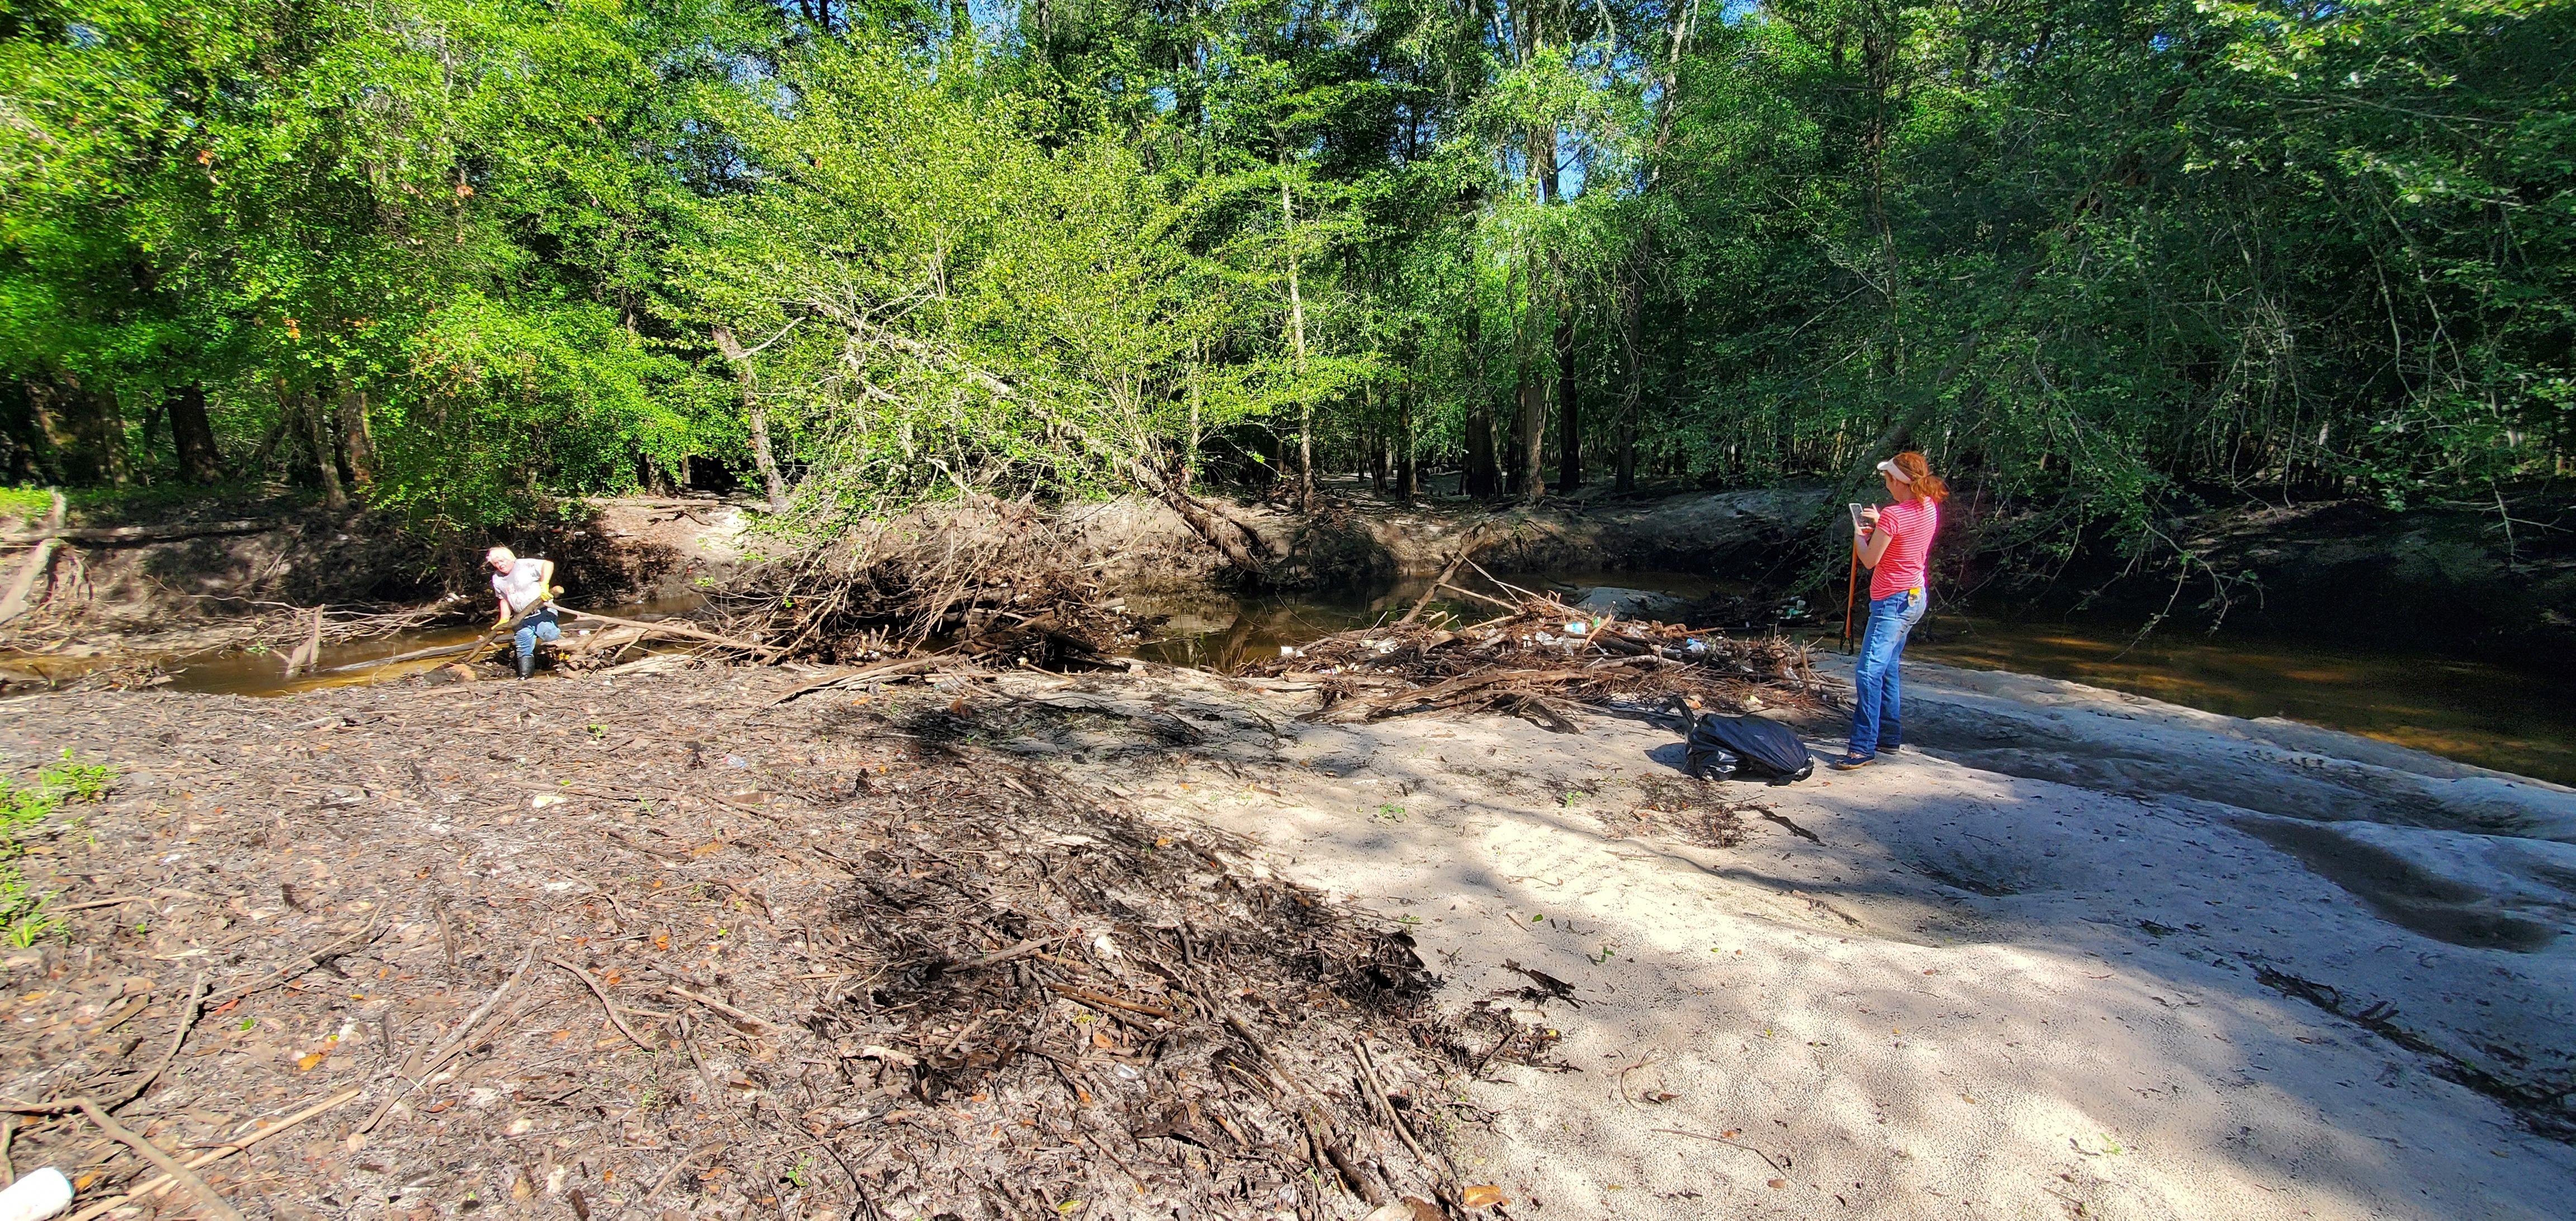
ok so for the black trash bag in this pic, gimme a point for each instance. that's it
(1757, 749)
(1708, 760)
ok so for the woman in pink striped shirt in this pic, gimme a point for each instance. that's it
(1896, 546)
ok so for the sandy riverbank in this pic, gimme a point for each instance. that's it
(2057, 964)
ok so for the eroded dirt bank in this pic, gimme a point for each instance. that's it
(1998, 984)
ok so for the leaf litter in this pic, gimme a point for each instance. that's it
(666, 943)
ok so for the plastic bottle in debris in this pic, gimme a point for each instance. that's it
(35, 1196)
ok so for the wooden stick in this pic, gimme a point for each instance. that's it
(82, 907)
(1723, 1141)
(1377, 1090)
(1467, 547)
(170, 1166)
(1534, 597)
(674, 1172)
(997, 957)
(163, 1183)
(424, 1062)
(1488, 600)
(187, 1021)
(285, 973)
(880, 670)
(670, 628)
(721, 1007)
(1851, 589)
(445, 650)
(1088, 997)
(604, 1003)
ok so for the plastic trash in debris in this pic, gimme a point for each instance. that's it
(1575, 628)
(736, 761)
(1542, 638)
(1695, 646)
(1289, 650)
(1709, 761)
(36, 1195)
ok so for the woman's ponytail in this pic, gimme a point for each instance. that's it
(1919, 478)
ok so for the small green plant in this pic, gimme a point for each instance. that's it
(598, 732)
(1391, 812)
(55, 784)
(23, 921)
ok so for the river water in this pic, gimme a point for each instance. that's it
(2475, 712)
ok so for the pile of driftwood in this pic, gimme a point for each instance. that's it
(990, 581)
(666, 955)
(1538, 656)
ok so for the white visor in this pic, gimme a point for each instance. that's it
(1890, 469)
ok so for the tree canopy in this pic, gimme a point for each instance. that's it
(456, 258)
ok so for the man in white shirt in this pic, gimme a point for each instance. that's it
(525, 588)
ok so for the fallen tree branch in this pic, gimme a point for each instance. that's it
(604, 1002)
(206, 1197)
(1466, 548)
(162, 1183)
(667, 627)
(139, 534)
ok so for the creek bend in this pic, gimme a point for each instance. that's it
(2476, 712)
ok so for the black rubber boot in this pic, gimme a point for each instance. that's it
(527, 663)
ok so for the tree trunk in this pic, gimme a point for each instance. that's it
(1408, 476)
(318, 431)
(151, 433)
(1627, 453)
(1483, 476)
(1190, 445)
(1529, 437)
(1569, 412)
(199, 461)
(357, 441)
(85, 431)
(1297, 342)
(1531, 442)
(754, 415)
(1632, 364)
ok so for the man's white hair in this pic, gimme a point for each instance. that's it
(501, 554)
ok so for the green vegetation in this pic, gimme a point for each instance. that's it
(29, 504)
(456, 257)
(23, 806)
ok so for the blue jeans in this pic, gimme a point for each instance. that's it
(536, 627)
(1875, 688)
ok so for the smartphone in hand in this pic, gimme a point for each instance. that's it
(1858, 522)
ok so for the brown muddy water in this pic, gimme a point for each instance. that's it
(2476, 712)
(350, 665)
